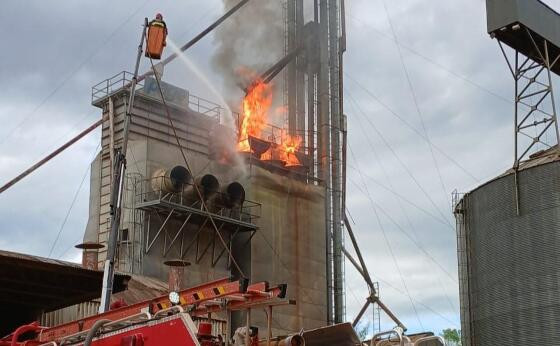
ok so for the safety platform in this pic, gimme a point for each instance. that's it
(525, 25)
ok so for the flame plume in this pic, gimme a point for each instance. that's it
(290, 144)
(255, 108)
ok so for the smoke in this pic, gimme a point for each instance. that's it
(249, 42)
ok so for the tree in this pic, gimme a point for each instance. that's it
(452, 337)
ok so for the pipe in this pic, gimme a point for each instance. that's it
(93, 330)
(50, 156)
(24, 329)
(232, 195)
(208, 185)
(171, 180)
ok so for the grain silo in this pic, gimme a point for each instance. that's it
(508, 229)
(270, 215)
(509, 263)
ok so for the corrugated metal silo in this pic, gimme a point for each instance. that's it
(509, 264)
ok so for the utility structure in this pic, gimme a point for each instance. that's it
(314, 88)
(316, 111)
(529, 29)
(507, 228)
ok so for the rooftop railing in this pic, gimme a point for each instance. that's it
(123, 80)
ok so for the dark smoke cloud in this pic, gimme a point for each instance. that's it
(248, 43)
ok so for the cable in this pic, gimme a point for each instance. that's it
(72, 203)
(415, 99)
(405, 167)
(432, 61)
(418, 302)
(391, 187)
(391, 252)
(90, 56)
(400, 197)
(421, 248)
(403, 210)
(380, 279)
(416, 243)
(372, 95)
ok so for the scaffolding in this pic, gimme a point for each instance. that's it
(162, 207)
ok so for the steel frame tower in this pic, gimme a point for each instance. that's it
(534, 94)
(529, 28)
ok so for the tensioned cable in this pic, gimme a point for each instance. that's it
(394, 113)
(391, 187)
(385, 282)
(416, 104)
(90, 56)
(76, 194)
(388, 243)
(420, 247)
(417, 301)
(407, 293)
(432, 61)
(405, 167)
(399, 227)
(417, 239)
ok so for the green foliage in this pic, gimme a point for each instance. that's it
(452, 337)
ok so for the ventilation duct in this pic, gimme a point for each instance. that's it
(232, 195)
(171, 180)
(208, 186)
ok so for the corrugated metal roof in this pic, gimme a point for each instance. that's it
(32, 284)
(539, 158)
(141, 288)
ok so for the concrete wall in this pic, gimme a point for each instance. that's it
(290, 246)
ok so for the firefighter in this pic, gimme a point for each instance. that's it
(157, 36)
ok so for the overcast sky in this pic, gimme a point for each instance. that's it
(54, 52)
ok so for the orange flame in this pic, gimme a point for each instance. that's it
(255, 108)
(290, 145)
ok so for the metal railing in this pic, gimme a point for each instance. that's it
(123, 79)
(110, 85)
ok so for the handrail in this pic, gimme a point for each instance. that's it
(179, 309)
(107, 325)
(398, 331)
(429, 338)
(121, 81)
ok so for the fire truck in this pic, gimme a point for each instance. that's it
(165, 320)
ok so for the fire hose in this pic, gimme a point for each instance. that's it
(32, 327)
(94, 329)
